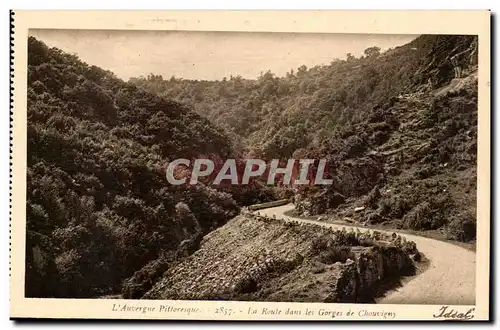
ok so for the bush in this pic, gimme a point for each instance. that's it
(355, 145)
(344, 237)
(462, 228)
(358, 177)
(373, 197)
(394, 207)
(424, 216)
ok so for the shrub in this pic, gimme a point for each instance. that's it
(346, 238)
(355, 145)
(462, 228)
(394, 207)
(424, 216)
(373, 197)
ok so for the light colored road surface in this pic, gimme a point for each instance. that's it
(449, 280)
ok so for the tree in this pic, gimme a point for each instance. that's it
(372, 51)
(301, 71)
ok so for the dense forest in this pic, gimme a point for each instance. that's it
(98, 204)
(101, 218)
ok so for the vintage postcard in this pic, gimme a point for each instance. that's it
(250, 165)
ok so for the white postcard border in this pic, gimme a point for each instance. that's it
(379, 22)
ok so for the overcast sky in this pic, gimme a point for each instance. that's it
(209, 55)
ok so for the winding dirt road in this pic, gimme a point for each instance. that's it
(450, 278)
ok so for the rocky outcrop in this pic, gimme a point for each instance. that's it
(344, 285)
(264, 259)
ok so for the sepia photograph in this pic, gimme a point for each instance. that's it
(180, 167)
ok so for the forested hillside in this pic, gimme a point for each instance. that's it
(398, 130)
(274, 117)
(98, 204)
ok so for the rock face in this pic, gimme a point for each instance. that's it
(263, 259)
